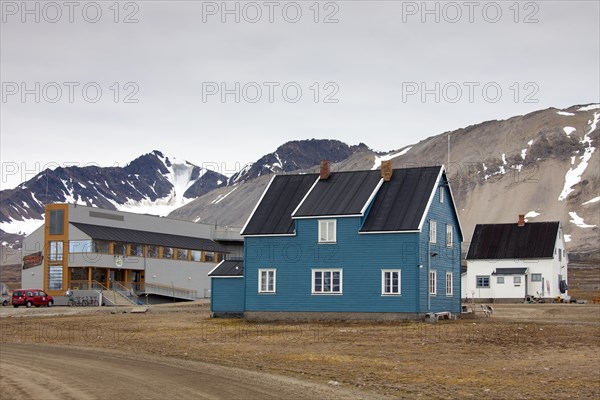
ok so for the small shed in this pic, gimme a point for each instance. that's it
(227, 289)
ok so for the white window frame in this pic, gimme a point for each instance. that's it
(449, 235)
(324, 271)
(500, 280)
(432, 231)
(536, 275)
(391, 292)
(432, 283)
(449, 280)
(441, 194)
(267, 272)
(330, 226)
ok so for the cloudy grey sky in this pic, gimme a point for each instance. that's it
(186, 78)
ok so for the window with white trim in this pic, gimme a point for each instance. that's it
(500, 280)
(449, 235)
(266, 280)
(432, 282)
(441, 194)
(327, 231)
(327, 281)
(432, 231)
(536, 277)
(390, 281)
(448, 283)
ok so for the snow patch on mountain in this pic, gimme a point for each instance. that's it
(577, 220)
(594, 200)
(569, 129)
(220, 198)
(573, 175)
(566, 114)
(23, 227)
(387, 157)
(589, 108)
(532, 214)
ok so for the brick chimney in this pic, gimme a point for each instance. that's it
(325, 169)
(386, 170)
(521, 220)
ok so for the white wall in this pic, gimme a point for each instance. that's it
(183, 274)
(549, 268)
(33, 278)
(546, 267)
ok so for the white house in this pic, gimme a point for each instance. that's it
(509, 262)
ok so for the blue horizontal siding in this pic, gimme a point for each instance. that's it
(227, 295)
(362, 257)
(446, 260)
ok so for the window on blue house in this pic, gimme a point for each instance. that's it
(390, 281)
(441, 195)
(448, 283)
(327, 281)
(449, 234)
(432, 282)
(432, 231)
(327, 228)
(266, 280)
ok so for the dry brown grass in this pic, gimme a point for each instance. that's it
(523, 351)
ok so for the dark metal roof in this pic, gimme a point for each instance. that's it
(343, 193)
(274, 212)
(502, 241)
(401, 202)
(228, 268)
(510, 271)
(144, 237)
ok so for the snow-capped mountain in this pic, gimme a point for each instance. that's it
(297, 155)
(152, 183)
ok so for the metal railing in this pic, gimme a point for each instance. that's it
(171, 291)
(123, 290)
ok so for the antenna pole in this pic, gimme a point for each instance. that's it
(448, 165)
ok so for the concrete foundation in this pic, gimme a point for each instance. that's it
(329, 316)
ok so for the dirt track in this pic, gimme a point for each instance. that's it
(56, 372)
(523, 351)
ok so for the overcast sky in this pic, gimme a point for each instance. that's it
(186, 78)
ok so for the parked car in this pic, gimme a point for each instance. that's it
(5, 300)
(31, 297)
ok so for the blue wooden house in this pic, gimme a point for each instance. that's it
(348, 245)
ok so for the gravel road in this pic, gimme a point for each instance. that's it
(57, 372)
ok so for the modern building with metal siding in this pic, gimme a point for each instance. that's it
(86, 248)
(368, 256)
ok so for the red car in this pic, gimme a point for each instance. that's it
(31, 297)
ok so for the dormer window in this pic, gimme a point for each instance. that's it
(327, 231)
